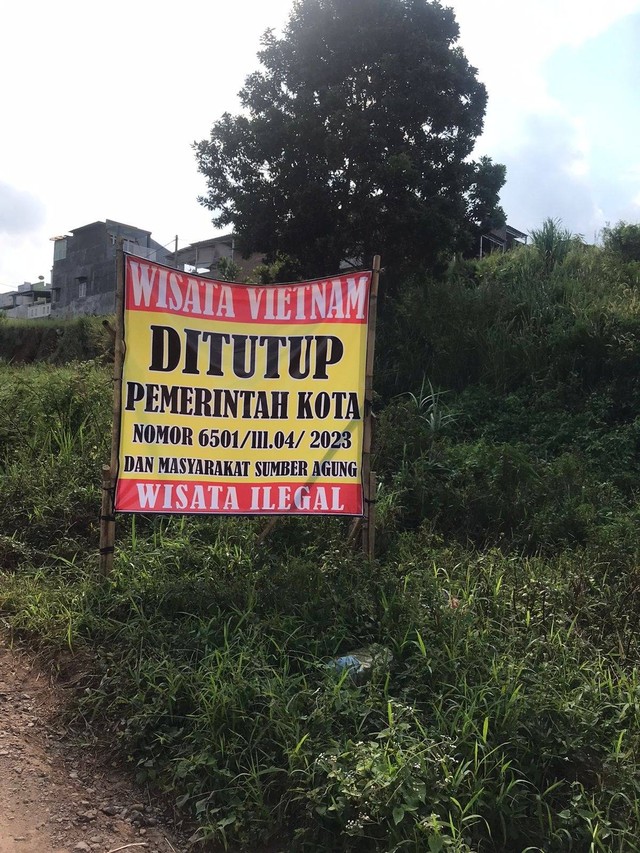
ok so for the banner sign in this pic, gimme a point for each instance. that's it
(241, 399)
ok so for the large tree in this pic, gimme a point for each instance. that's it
(355, 138)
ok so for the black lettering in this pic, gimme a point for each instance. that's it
(247, 397)
(230, 403)
(151, 402)
(304, 404)
(216, 339)
(262, 407)
(296, 370)
(322, 405)
(165, 348)
(138, 464)
(169, 398)
(240, 367)
(202, 403)
(135, 393)
(326, 354)
(192, 336)
(353, 408)
(273, 344)
(279, 404)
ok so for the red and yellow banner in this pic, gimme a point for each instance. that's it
(242, 399)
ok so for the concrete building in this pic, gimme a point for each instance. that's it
(501, 239)
(83, 277)
(204, 257)
(29, 302)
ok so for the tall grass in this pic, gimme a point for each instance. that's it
(506, 590)
(54, 425)
(53, 340)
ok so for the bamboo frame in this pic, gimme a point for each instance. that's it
(109, 472)
(368, 478)
(267, 529)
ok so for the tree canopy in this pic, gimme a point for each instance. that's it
(355, 138)
(623, 239)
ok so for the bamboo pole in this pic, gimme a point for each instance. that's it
(354, 528)
(109, 472)
(368, 480)
(267, 529)
(370, 545)
(106, 513)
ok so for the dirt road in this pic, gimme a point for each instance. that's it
(53, 799)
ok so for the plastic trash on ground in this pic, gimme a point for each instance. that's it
(361, 663)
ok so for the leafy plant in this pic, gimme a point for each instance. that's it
(553, 242)
(430, 409)
(505, 593)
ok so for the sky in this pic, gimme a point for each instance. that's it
(101, 105)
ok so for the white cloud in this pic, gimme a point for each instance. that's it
(101, 107)
(545, 182)
(523, 33)
(558, 157)
(102, 104)
(20, 211)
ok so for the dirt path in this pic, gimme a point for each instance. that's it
(52, 798)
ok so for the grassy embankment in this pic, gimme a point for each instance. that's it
(508, 724)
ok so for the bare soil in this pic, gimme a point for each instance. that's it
(54, 797)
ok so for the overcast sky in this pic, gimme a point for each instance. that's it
(102, 102)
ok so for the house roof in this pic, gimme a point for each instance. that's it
(110, 223)
(189, 253)
(504, 232)
(227, 239)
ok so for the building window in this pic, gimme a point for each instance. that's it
(82, 286)
(59, 250)
(131, 246)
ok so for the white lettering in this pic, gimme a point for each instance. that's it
(336, 503)
(356, 296)
(197, 501)
(255, 300)
(335, 309)
(142, 283)
(192, 299)
(319, 301)
(175, 300)
(182, 496)
(301, 499)
(231, 499)
(147, 494)
(225, 305)
(284, 298)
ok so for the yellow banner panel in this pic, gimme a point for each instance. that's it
(242, 399)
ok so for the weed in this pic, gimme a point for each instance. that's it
(506, 588)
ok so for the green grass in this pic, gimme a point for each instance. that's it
(510, 721)
(507, 455)
(53, 340)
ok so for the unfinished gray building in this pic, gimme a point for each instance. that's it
(204, 257)
(83, 277)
